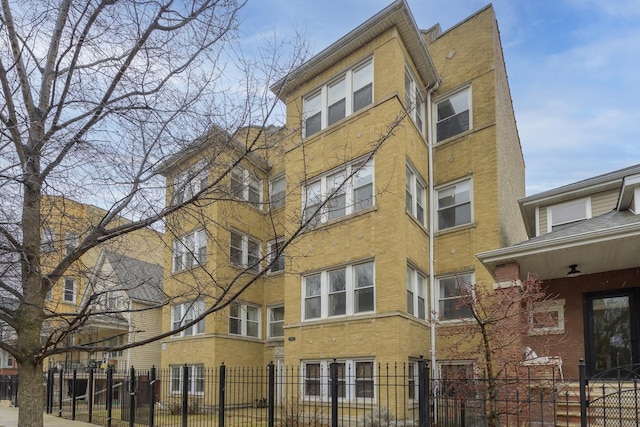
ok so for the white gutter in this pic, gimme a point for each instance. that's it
(432, 226)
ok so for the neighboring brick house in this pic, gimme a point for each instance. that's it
(584, 244)
(394, 242)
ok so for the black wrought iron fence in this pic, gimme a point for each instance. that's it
(336, 394)
(9, 388)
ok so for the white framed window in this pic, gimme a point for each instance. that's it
(48, 240)
(566, 213)
(414, 102)
(184, 313)
(190, 182)
(455, 205)
(450, 291)
(116, 341)
(453, 115)
(112, 299)
(6, 360)
(356, 379)
(347, 190)
(190, 250)
(338, 292)
(416, 190)
(276, 260)
(276, 322)
(49, 296)
(245, 251)
(342, 96)
(246, 185)
(547, 317)
(416, 292)
(412, 379)
(69, 290)
(70, 242)
(195, 374)
(277, 191)
(244, 320)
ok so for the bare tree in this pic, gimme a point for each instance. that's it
(491, 331)
(101, 100)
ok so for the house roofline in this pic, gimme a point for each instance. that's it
(398, 15)
(512, 253)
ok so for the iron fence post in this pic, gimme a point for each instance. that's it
(334, 392)
(582, 369)
(132, 396)
(73, 393)
(50, 377)
(109, 399)
(60, 393)
(221, 390)
(185, 394)
(14, 389)
(272, 394)
(152, 396)
(423, 396)
(90, 390)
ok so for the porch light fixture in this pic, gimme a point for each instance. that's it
(573, 272)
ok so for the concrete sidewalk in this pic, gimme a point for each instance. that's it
(9, 418)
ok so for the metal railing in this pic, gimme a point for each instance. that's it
(389, 395)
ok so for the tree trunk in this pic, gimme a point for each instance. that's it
(30, 395)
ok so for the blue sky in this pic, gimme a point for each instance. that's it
(573, 65)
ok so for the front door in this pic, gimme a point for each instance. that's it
(612, 327)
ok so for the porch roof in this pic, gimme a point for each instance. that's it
(604, 243)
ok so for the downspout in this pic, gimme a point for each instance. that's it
(129, 335)
(432, 227)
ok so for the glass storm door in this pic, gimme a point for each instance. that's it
(611, 331)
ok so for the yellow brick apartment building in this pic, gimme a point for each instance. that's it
(399, 161)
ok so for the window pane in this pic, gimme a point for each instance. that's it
(363, 187)
(336, 190)
(253, 255)
(364, 380)
(312, 379)
(453, 116)
(363, 298)
(276, 322)
(237, 182)
(277, 192)
(312, 308)
(337, 292)
(337, 102)
(253, 321)
(312, 202)
(235, 250)
(255, 190)
(363, 87)
(568, 212)
(312, 114)
(409, 190)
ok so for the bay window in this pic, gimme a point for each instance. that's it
(244, 320)
(343, 291)
(245, 251)
(344, 95)
(345, 190)
(184, 313)
(190, 250)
